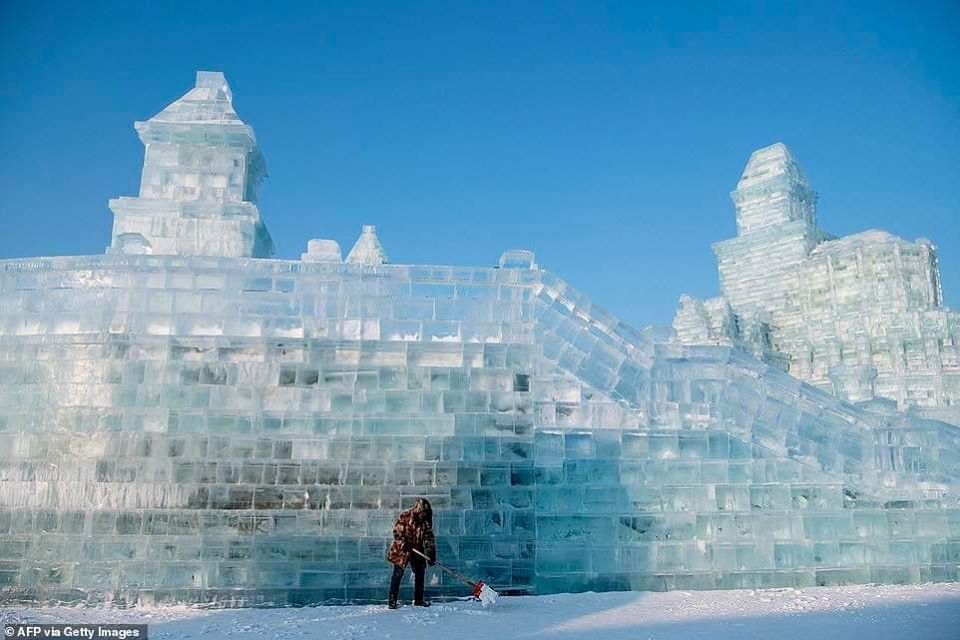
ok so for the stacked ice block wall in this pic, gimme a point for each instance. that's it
(211, 429)
(245, 431)
(239, 431)
(861, 316)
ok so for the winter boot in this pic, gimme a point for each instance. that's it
(392, 604)
(422, 603)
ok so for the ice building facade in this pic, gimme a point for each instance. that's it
(860, 316)
(187, 424)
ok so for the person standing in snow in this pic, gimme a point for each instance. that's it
(413, 530)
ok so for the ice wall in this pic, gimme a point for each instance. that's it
(246, 431)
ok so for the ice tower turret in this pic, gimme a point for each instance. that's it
(201, 174)
(861, 316)
(776, 229)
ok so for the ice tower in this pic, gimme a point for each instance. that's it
(201, 174)
(860, 316)
(180, 423)
(776, 228)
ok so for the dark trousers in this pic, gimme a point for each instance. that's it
(418, 567)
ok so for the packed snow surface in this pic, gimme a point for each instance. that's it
(929, 612)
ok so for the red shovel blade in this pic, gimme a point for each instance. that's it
(477, 589)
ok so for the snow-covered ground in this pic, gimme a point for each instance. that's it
(927, 612)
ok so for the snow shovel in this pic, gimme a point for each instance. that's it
(482, 592)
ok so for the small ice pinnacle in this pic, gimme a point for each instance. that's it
(368, 249)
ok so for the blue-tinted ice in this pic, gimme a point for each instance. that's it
(182, 421)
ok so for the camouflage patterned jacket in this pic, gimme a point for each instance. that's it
(413, 530)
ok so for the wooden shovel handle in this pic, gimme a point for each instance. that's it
(420, 553)
(456, 574)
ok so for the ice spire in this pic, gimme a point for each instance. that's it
(210, 101)
(368, 249)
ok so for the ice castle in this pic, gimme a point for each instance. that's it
(184, 419)
(860, 316)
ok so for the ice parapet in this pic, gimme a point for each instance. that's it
(197, 428)
(861, 316)
(322, 251)
(517, 259)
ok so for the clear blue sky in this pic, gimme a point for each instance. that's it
(606, 137)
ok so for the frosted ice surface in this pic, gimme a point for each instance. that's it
(861, 316)
(180, 423)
